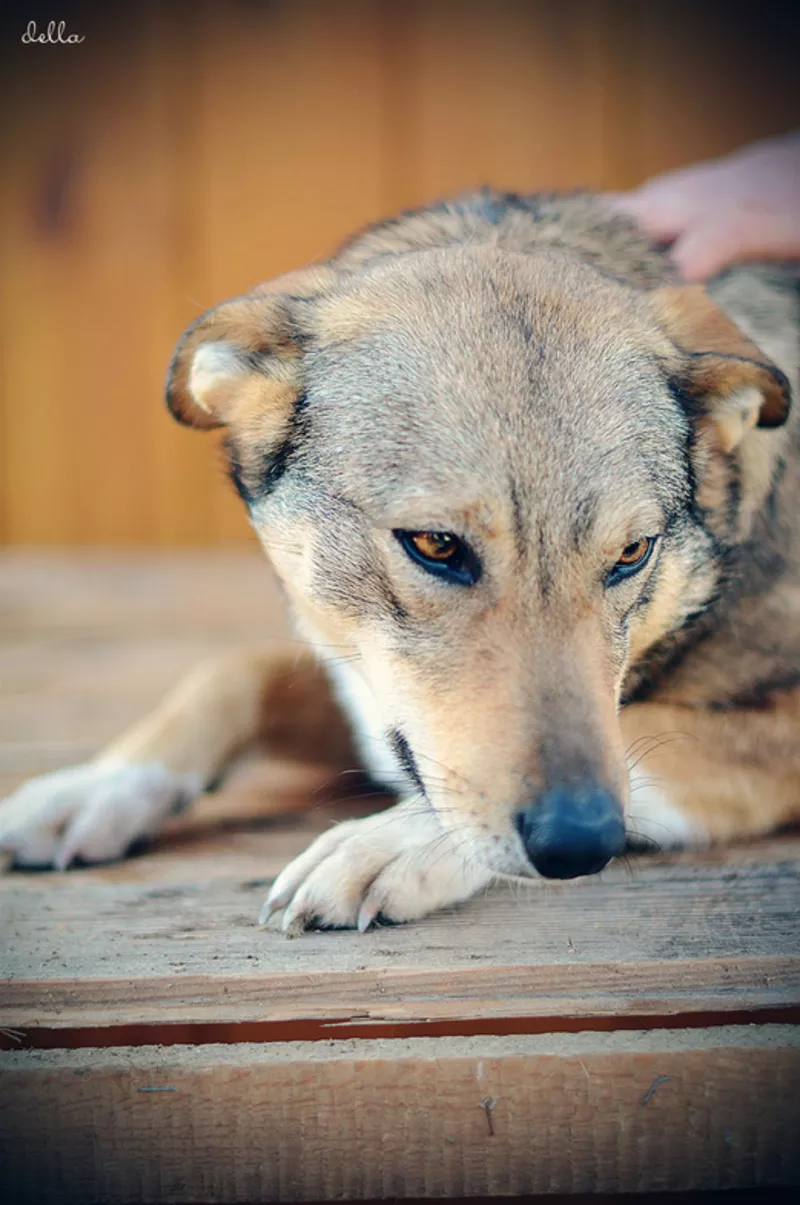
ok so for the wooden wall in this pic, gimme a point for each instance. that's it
(182, 152)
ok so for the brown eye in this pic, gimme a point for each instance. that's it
(633, 553)
(441, 554)
(434, 545)
(634, 557)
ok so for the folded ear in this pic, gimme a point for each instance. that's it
(721, 371)
(240, 361)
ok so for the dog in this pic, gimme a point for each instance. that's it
(535, 505)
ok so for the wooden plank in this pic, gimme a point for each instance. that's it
(684, 82)
(186, 476)
(711, 77)
(670, 938)
(86, 284)
(89, 642)
(486, 1116)
(507, 94)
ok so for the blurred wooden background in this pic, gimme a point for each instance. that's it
(183, 152)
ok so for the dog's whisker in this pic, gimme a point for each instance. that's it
(646, 820)
(659, 742)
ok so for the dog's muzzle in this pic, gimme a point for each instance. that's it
(572, 830)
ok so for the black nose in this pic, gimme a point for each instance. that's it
(572, 830)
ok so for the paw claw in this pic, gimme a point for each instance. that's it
(295, 923)
(66, 855)
(268, 909)
(366, 915)
(364, 870)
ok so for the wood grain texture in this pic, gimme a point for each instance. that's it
(674, 940)
(606, 1113)
(88, 208)
(89, 643)
(184, 151)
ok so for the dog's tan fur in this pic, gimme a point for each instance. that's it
(527, 374)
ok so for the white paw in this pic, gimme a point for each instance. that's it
(93, 812)
(655, 822)
(396, 866)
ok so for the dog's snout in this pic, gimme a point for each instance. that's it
(572, 830)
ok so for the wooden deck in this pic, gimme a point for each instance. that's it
(635, 1032)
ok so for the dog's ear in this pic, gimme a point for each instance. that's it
(240, 361)
(724, 374)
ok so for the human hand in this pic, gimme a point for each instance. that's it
(743, 206)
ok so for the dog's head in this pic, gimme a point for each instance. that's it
(490, 483)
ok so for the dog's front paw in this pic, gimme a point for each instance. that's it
(396, 866)
(92, 813)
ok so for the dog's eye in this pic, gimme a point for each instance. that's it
(634, 557)
(442, 554)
